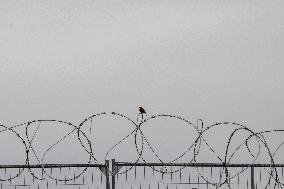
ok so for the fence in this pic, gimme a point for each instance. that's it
(173, 174)
(117, 175)
(67, 142)
(54, 176)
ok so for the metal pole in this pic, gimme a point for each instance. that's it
(113, 167)
(252, 177)
(107, 174)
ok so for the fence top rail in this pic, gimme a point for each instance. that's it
(198, 164)
(32, 166)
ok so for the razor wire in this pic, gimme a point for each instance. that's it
(200, 142)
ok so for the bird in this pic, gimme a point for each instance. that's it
(141, 113)
(142, 110)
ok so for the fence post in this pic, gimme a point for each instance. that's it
(107, 174)
(252, 177)
(113, 167)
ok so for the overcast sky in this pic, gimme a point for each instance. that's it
(216, 60)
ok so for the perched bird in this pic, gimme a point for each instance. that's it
(142, 110)
(141, 113)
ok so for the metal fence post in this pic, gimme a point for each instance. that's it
(107, 174)
(113, 167)
(252, 177)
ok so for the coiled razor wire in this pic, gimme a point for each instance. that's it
(199, 142)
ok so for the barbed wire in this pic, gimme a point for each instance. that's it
(141, 142)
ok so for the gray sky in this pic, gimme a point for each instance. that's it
(215, 60)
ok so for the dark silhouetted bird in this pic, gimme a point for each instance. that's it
(142, 110)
